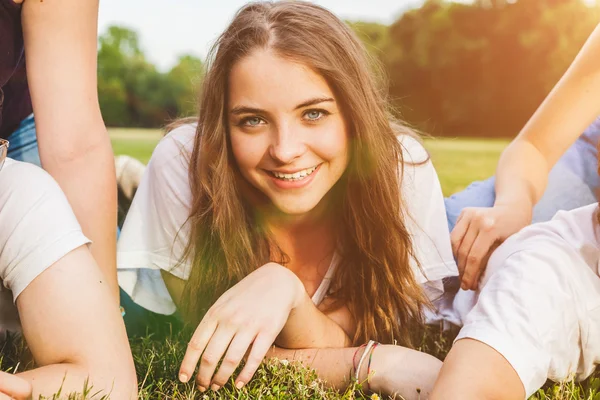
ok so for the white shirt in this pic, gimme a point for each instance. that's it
(155, 232)
(37, 228)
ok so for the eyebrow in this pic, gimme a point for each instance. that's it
(251, 110)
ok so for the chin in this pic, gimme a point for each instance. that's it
(295, 208)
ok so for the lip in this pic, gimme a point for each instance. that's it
(294, 184)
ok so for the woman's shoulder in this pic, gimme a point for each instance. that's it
(413, 151)
(174, 149)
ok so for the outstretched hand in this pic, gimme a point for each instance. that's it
(478, 232)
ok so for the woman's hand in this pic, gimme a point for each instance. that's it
(477, 233)
(250, 314)
(397, 370)
(14, 387)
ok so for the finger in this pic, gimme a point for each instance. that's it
(196, 346)
(261, 345)
(484, 263)
(465, 246)
(476, 259)
(235, 353)
(457, 234)
(14, 386)
(212, 355)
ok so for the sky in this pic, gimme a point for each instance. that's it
(169, 28)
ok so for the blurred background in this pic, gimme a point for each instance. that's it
(474, 70)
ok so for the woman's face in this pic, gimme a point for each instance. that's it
(288, 135)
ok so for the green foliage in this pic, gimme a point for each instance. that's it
(477, 69)
(482, 69)
(133, 92)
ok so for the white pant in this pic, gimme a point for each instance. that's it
(540, 302)
(37, 228)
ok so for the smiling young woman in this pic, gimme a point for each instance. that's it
(295, 213)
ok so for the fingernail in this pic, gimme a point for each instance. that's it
(202, 389)
(183, 378)
(215, 387)
(239, 385)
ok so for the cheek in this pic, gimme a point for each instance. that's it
(247, 150)
(333, 144)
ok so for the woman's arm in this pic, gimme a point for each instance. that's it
(248, 315)
(60, 45)
(309, 327)
(522, 171)
(75, 331)
(330, 330)
(395, 369)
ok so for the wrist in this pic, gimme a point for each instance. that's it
(291, 280)
(521, 195)
(377, 375)
(362, 363)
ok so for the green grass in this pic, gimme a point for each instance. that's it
(458, 163)
(137, 143)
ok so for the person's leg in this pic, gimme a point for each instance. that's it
(23, 143)
(533, 321)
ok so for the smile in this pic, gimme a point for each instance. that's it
(296, 176)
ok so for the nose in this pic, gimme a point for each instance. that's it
(287, 144)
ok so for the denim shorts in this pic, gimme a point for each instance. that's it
(572, 183)
(23, 143)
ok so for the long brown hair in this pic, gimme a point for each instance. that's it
(374, 278)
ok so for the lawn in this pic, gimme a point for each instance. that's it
(458, 162)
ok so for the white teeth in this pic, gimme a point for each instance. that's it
(295, 176)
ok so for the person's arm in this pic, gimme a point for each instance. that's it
(322, 331)
(308, 327)
(523, 168)
(60, 45)
(13, 387)
(76, 336)
(295, 322)
(395, 370)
